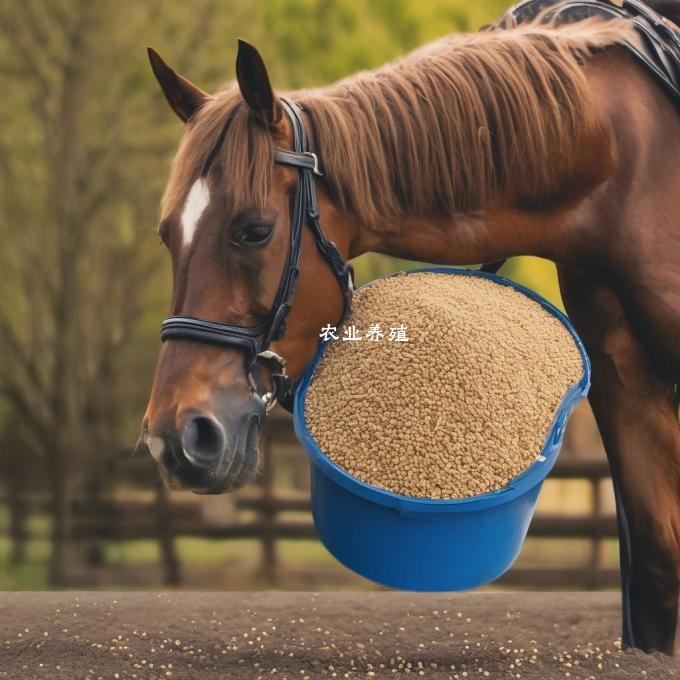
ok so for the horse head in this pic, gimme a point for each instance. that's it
(228, 219)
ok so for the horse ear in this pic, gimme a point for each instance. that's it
(183, 96)
(254, 84)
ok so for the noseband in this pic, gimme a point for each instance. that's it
(256, 340)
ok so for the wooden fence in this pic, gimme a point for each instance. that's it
(164, 521)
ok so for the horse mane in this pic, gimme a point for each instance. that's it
(440, 131)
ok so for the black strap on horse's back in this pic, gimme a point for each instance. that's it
(658, 49)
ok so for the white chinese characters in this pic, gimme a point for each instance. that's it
(374, 333)
(328, 333)
(351, 333)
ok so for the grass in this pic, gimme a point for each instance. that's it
(197, 551)
(242, 557)
(28, 575)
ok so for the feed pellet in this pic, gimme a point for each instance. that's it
(460, 407)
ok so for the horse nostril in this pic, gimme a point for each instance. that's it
(203, 440)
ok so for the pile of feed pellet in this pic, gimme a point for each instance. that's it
(458, 409)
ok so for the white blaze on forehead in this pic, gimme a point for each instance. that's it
(197, 201)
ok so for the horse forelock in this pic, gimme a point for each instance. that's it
(222, 133)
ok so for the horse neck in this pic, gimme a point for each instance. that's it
(504, 226)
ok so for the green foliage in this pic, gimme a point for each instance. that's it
(537, 274)
(313, 42)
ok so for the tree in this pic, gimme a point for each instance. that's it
(75, 220)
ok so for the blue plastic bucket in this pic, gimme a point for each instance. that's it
(422, 544)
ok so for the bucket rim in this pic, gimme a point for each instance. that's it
(517, 486)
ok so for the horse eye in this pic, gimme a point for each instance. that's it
(255, 233)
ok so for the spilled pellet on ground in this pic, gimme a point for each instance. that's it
(460, 408)
(539, 636)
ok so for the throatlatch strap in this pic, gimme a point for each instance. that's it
(342, 270)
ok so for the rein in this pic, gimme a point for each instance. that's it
(255, 341)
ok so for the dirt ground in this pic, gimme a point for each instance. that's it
(467, 636)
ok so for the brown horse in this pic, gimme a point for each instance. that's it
(537, 140)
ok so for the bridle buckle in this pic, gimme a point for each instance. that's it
(315, 158)
(269, 399)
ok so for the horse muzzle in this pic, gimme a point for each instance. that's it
(207, 455)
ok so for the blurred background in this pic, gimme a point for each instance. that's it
(86, 140)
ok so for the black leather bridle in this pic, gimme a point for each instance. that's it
(255, 341)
